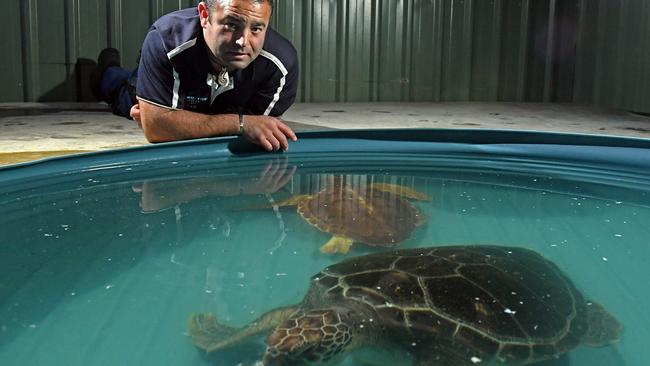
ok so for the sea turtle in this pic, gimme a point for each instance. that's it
(453, 305)
(376, 214)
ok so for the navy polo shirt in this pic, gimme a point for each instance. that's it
(175, 72)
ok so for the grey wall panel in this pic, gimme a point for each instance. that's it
(322, 51)
(392, 53)
(564, 51)
(357, 66)
(486, 57)
(586, 51)
(52, 44)
(11, 57)
(613, 54)
(457, 49)
(538, 53)
(514, 43)
(426, 45)
(30, 49)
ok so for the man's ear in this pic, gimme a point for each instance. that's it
(204, 14)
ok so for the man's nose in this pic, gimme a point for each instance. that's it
(242, 40)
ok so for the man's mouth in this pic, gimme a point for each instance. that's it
(238, 54)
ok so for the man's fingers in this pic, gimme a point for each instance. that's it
(286, 130)
(266, 169)
(275, 144)
(263, 142)
(286, 177)
(274, 169)
(266, 145)
(283, 163)
(135, 114)
(282, 139)
(279, 172)
(271, 134)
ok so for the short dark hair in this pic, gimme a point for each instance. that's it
(212, 3)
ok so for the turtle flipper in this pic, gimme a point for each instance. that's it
(603, 329)
(337, 244)
(205, 330)
(403, 191)
(210, 336)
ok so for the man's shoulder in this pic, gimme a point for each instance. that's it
(279, 49)
(178, 27)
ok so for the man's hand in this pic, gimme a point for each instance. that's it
(272, 177)
(268, 132)
(135, 114)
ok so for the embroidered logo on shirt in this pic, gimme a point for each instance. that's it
(193, 102)
(216, 88)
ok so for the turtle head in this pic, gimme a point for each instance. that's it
(310, 337)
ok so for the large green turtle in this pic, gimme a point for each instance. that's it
(376, 214)
(455, 305)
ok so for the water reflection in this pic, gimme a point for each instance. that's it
(157, 195)
(372, 213)
(374, 210)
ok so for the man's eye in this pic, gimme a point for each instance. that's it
(230, 26)
(257, 30)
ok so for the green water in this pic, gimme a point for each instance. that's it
(105, 267)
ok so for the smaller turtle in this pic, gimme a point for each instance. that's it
(377, 215)
(456, 305)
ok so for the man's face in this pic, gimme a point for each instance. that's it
(234, 31)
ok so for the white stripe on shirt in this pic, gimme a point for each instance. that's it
(280, 66)
(177, 80)
(181, 48)
(177, 84)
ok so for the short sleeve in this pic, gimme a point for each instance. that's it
(156, 72)
(279, 91)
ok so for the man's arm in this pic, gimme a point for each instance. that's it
(163, 124)
(160, 194)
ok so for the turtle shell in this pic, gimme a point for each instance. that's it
(503, 303)
(368, 216)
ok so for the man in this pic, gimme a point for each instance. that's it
(216, 70)
(112, 84)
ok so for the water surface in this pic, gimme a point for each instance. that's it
(104, 266)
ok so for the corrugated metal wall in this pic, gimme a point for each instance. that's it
(588, 51)
(431, 50)
(613, 67)
(52, 44)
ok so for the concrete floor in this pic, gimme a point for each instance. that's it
(36, 130)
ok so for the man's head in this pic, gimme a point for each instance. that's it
(234, 30)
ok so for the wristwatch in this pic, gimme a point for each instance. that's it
(241, 124)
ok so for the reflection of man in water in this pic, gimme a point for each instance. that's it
(189, 222)
(157, 195)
